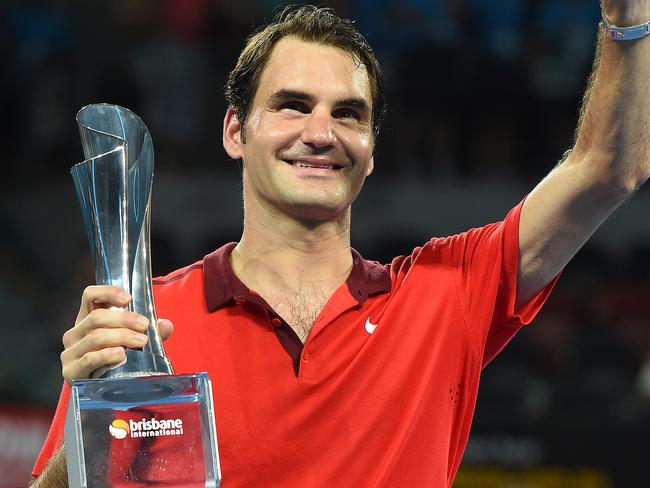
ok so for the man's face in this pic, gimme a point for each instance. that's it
(309, 138)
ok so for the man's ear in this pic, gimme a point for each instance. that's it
(371, 166)
(232, 142)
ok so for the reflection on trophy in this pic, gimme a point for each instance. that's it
(135, 423)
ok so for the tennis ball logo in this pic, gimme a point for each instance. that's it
(119, 428)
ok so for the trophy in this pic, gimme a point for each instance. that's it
(136, 423)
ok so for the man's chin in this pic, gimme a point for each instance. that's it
(316, 213)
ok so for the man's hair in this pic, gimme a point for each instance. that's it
(310, 24)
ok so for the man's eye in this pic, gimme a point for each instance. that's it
(346, 113)
(295, 106)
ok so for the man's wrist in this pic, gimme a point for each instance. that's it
(626, 14)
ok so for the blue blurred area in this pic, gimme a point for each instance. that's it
(483, 101)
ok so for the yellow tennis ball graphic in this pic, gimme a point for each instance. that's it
(119, 428)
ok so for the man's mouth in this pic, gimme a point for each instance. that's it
(313, 164)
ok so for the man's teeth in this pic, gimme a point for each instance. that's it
(305, 165)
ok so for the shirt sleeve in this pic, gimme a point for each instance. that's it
(485, 263)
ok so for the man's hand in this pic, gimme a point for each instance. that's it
(101, 333)
(97, 340)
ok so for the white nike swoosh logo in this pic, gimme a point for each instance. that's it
(370, 327)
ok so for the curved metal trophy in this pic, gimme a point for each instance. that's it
(136, 422)
(114, 189)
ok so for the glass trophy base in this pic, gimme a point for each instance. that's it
(150, 431)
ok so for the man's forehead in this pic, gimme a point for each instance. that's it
(298, 65)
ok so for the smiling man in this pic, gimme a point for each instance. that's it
(307, 148)
(330, 370)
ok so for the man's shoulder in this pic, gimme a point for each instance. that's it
(177, 277)
(179, 289)
(455, 248)
(435, 247)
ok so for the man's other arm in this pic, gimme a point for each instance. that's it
(55, 474)
(609, 161)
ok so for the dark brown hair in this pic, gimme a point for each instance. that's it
(309, 24)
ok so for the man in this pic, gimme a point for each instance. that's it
(330, 370)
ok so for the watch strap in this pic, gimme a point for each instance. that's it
(626, 33)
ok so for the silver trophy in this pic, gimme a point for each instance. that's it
(114, 189)
(135, 422)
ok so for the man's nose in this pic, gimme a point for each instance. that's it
(318, 130)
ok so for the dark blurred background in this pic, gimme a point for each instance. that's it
(483, 101)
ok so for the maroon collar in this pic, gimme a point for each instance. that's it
(222, 285)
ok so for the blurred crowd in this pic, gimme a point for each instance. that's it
(478, 90)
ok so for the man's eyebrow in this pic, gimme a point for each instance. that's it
(286, 94)
(358, 103)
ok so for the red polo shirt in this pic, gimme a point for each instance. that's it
(383, 391)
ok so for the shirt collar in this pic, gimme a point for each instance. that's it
(222, 285)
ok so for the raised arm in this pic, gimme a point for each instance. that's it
(609, 161)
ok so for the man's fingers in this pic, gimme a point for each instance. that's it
(99, 339)
(101, 296)
(102, 332)
(165, 328)
(91, 361)
(102, 318)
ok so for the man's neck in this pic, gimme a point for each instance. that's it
(277, 254)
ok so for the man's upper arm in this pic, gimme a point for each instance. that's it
(557, 218)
